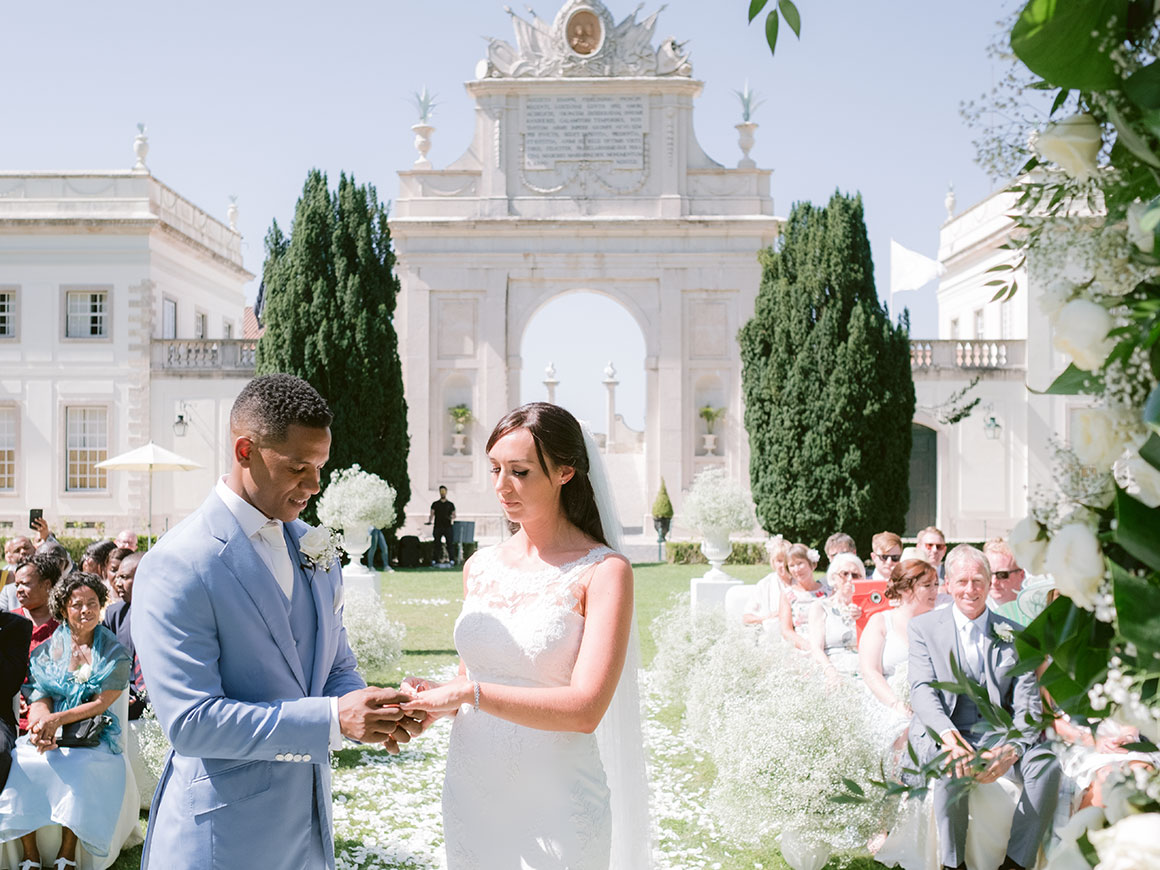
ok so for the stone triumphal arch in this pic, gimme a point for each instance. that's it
(583, 174)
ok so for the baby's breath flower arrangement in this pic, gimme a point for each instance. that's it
(356, 500)
(377, 642)
(717, 505)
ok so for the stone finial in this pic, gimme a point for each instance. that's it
(949, 201)
(610, 373)
(232, 212)
(141, 149)
(550, 381)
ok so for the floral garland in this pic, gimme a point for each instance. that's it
(1090, 206)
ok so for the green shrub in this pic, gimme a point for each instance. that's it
(689, 553)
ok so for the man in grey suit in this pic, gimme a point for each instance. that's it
(981, 642)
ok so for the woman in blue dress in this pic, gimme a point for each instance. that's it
(78, 673)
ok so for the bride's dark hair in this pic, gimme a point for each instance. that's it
(559, 440)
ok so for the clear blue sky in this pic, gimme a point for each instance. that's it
(245, 97)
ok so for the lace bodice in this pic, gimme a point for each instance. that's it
(523, 627)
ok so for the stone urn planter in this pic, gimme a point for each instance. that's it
(458, 442)
(709, 443)
(356, 575)
(708, 591)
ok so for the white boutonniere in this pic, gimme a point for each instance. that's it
(1004, 632)
(319, 547)
(82, 674)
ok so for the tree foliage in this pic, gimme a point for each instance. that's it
(828, 390)
(330, 294)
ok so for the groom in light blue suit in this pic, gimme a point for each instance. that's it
(242, 647)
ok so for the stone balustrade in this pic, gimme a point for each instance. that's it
(957, 354)
(227, 356)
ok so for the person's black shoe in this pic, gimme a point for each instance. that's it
(962, 866)
(1010, 863)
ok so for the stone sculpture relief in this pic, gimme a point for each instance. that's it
(583, 40)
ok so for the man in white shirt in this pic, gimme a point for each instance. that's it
(981, 642)
(16, 550)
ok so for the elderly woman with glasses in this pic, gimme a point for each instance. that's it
(833, 634)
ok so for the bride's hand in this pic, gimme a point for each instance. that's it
(443, 700)
(412, 686)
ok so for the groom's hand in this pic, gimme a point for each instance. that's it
(372, 715)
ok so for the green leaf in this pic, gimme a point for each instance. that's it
(1150, 452)
(1068, 43)
(792, 17)
(1072, 382)
(1130, 139)
(755, 7)
(1143, 86)
(1137, 603)
(1138, 530)
(853, 786)
(1002, 267)
(1152, 406)
(1002, 290)
(771, 23)
(1150, 219)
(1060, 99)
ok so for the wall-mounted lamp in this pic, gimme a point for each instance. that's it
(992, 428)
(180, 425)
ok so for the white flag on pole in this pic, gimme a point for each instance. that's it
(910, 270)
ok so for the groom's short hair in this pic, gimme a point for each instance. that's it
(270, 404)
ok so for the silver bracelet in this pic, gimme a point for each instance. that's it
(475, 685)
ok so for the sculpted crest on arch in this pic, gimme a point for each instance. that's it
(584, 40)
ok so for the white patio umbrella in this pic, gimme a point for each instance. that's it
(149, 457)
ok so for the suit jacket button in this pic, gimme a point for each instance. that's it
(305, 757)
(279, 757)
(297, 758)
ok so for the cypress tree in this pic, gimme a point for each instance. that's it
(826, 379)
(329, 303)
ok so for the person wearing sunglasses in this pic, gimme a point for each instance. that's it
(932, 546)
(1006, 581)
(885, 552)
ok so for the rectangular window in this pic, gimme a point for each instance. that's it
(87, 443)
(954, 328)
(199, 325)
(168, 318)
(7, 313)
(7, 449)
(1005, 319)
(227, 329)
(88, 313)
(978, 323)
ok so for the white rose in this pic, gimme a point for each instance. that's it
(1142, 239)
(1075, 561)
(1056, 295)
(1130, 844)
(1145, 483)
(1029, 548)
(1073, 144)
(1081, 331)
(1067, 854)
(1098, 437)
(315, 541)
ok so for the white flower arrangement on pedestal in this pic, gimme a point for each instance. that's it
(715, 504)
(356, 500)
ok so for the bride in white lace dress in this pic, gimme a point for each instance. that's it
(543, 639)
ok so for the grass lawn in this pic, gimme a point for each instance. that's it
(427, 601)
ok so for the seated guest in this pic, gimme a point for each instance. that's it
(35, 579)
(126, 540)
(763, 606)
(970, 634)
(883, 649)
(95, 561)
(78, 674)
(56, 551)
(833, 633)
(114, 561)
(15, 635)
(885, 553)
(1006, 581)
(16, 550)
(117, 621)
(793, 612)
(932, 544)
(839, 542)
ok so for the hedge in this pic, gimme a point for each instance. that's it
(689, 553)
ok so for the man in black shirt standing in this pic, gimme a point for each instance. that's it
(443, 516)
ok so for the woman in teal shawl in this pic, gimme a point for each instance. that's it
(78, 673)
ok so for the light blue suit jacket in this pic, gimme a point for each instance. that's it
(250, 731)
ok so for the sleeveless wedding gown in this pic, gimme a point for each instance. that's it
(517, 797)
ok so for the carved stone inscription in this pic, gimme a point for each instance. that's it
(608, 129)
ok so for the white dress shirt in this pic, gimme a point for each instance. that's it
(252, 522)
(971, 634)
